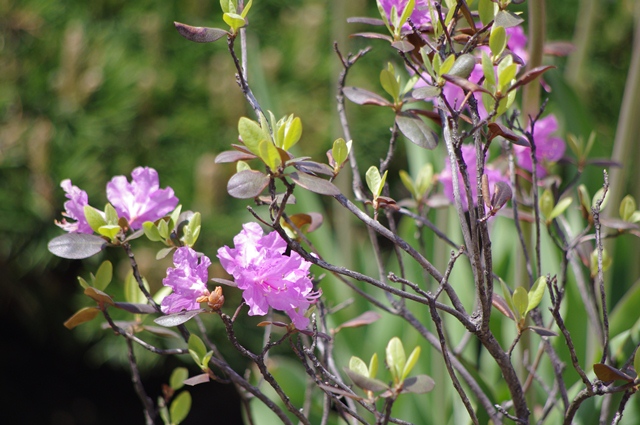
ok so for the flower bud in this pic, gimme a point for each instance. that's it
(216, 299)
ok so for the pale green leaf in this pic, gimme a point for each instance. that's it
(178, 376)
(357, 365)
(536, 293)
(560, 207)
(396, 358)
(269, 154)
(180, 407)
(497, 41)
(411, 362)
(520, 301)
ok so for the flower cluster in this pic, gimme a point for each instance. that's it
(267, 275)
(469, 158)
(188, 279)
(139, 201)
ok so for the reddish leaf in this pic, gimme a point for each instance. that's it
(529, 76)
(81, 316)
(616, 223)
(542, 331)
(199, 34)
(364, 97)
(465, 84)
(365, 382)
(365, 318)
(98, 296)
(233, 156)
(559, 48)
(135, 308)
(198, 379)
(315, 184)
(501, 305)
(419, 384)
(373, 35)
(497, 129)
(306, 222)
(365, 20)
(247, 184)
(312, 167)
(608, 374)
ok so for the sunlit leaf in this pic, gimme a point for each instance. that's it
(627, 207)
(559, 208)
(520, 301)
(507, 19)
(396, 358)
(497, 40)
(82, 316)
(251, 134)
(411, 362)
(75, 246)
(357, 365)
(176, 319)
(535, 293)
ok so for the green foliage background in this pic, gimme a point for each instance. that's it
(89, 90)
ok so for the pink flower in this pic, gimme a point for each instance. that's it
(74, 209)
(142, 199)
(469, 157)
(268, 277)
(419, 16)
(188, 280)
(548, 148)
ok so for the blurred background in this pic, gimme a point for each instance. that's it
(89, 90)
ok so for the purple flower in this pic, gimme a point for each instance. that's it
(518, 42)
(469, 157)
(267, 277)
(419, 16)
(142, 199)
(188, 280)
(74, 209)
(548, 148)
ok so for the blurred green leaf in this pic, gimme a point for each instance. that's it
(536, 293)
(411, 362)
(627, 207)
(82, 316)
(103, 275)
(396, 358)
(180, 407)
(520, 302)
(357, 365)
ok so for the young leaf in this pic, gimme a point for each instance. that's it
(292, 133)
(598, 196)
(357, 365)
(447, 64)
(103, 276)
(419, 384)
(366, 383)
(487, 10)
(546, 204)
(559, 208)
(536, 293)
(151, 231)
(487, 70)
(408, 183)
(340, 152)
(110, 214)
(234, 21)
(389, 82)
(269, 155)
(180, 407)
(197, 347)
(95, 218)
(396, 358)
(627, 207)
(373, 366)
(132, 292)
(178, 376)
(246, 9)
(606, 261)
(251, 134)
(411, 362)
(408, 10)
(508, 297)
(520, 302)
(497, 41)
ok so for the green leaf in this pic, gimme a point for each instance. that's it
(163, 252)
(180, 407)
(192, 230)
(463, 66)
(408, 183)
(83, 282)
(424, 179)
(374, 180)
(419, 384)
(357, 365)
(447, 64)
(606, 261)
(151, 231)
(396, 358)
(197, 348)
(520, 301)
(110, 214)
(373, 366)
(497, 41)
(489, 73)
(94, 217)
(132, 292)
(408, 10)
(228, 6)
(560, 207)
(246, 9)
(507, 296)
(103, 276)
(242, 166)
(82, 316)
(389, 82)
(110, 230)
(635, 217)
(411, 362)
(234, 21)
(546, 204)
(340, 151)
(627, 207)
(598, 196)
(178, 376)
(536, 293)
(269, 154)
(251, 134)
(292, 133)
(163, 229)
(585, 198)
(174, 217)
(506, 75)
(487, 10)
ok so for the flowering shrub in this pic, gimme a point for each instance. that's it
(456, 54)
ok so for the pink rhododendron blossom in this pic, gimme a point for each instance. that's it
(188, 279)
(268, 277)
(74, 209)
(469, 157)
(142, 199)
(420, 15)
(548, 148)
